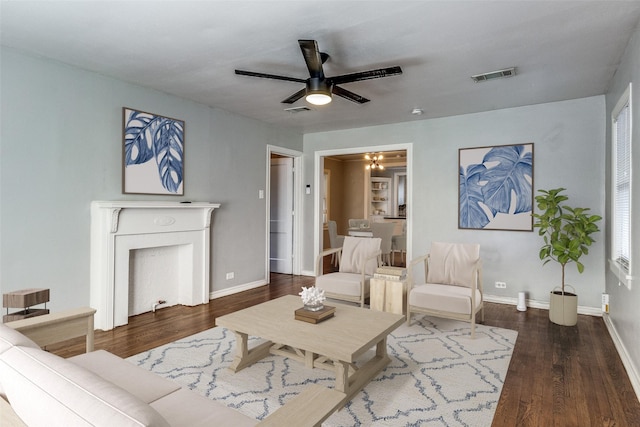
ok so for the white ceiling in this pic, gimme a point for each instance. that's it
(562, 50)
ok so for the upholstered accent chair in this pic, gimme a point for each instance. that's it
(359, 258)
(453, 283)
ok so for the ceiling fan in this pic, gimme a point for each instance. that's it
(318, 88)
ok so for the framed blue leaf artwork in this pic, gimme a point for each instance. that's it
(153, 154)
(495, 190)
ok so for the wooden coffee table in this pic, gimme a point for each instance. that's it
(333, 344)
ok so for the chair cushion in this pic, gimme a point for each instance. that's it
(355, 251)
(47, 390)
(453, 263)
(342, 283)
(143, 384)
(454, 299)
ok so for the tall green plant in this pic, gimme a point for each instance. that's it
(566, 231)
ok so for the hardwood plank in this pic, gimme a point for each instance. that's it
(563, 376)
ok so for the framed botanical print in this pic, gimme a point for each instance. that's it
(496, 187)
(153, 153)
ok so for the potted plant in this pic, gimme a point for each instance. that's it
(567, 236)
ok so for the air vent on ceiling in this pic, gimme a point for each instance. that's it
(295, 110)
(507, 72)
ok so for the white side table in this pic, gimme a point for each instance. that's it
(388, 295)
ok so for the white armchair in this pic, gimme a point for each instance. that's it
(359, 258)
(452, 286)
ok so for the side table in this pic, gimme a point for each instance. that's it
(388, 295)
(24, 299)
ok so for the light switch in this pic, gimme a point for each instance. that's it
(260, 194)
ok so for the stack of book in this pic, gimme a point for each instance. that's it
(315, 316)
(397, 274)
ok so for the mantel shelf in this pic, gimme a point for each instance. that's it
(137, 204)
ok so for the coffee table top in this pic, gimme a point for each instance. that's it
(351, 332)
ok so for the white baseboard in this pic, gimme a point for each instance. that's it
(591, 311)
(235, 289)
(634, 377)
(310, 273)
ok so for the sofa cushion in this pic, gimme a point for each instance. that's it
(143, 384)
(9, 338)
(66, 394)
(186, 408)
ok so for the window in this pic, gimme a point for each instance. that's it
(621, 181)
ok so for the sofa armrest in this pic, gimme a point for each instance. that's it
(308, 409)
(8, 417)
(56, 327)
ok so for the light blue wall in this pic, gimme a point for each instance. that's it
(624, 302)
(61, 139)
(568, 140)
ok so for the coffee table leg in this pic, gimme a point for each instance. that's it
(381, 348)
(246, 356)
(352, 384)
(342, 376)
(309, 357)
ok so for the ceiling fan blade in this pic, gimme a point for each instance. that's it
(269, 76)
(312, 57)
(347, 94)
(293, 98)
(366, 75)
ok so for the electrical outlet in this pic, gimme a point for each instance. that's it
(501, 285)
(230, 275)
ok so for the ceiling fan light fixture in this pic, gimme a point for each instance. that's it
(318, 92)
(318, 98)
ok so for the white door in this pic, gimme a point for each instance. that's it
(281, 216)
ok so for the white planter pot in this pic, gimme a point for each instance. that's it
(563, 308)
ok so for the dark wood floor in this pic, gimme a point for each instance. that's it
(558, 376)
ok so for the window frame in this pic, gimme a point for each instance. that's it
(621, 269)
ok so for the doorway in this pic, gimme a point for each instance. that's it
(282, 204)
(357, 204)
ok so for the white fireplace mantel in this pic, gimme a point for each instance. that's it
(117, 227)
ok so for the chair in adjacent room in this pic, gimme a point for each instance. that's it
(384, 231)
(399, 244)
(335, 240)
(453, 283)
(359, 258)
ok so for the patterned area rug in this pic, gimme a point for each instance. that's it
(438, 375)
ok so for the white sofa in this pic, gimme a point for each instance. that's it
(101, 389)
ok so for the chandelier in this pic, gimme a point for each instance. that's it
(374, 160)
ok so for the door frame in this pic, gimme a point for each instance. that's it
(319, 174)
(297, 207)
